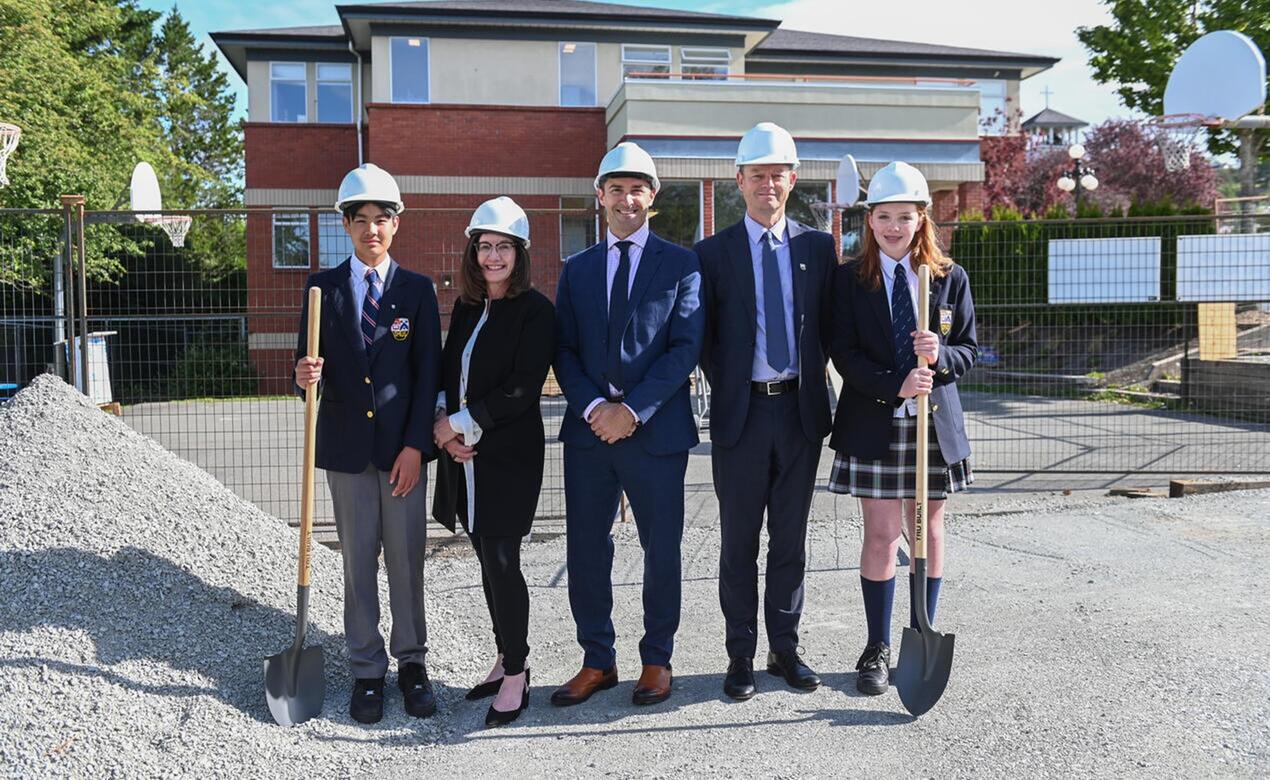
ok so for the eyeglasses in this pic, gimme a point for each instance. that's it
(504, 248)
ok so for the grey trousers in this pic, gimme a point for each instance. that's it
(368, 519)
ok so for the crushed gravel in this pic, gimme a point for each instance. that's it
(1094, 638)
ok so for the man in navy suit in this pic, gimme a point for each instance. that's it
(765, 289)
(379, 367)
(628, 333)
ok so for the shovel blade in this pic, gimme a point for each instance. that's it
(923, 669)
(295, 684)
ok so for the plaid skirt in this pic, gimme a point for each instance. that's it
(895, 476)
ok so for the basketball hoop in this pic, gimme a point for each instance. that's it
(9, 135)
(1175, 136)
(177, 226)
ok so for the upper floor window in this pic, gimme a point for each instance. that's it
(707, 64)
(288, 92)
(649, 62)
(334, 92)
(993, 119)
(408, 58)
(577, 74)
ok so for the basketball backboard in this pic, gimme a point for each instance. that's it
(145, 191)
(1221, 76)
(848, 183)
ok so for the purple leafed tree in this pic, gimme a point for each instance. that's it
(1130, 168)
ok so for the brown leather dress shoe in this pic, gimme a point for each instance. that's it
(653, 685)
(583, 685)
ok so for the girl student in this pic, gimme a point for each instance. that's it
(876, 344)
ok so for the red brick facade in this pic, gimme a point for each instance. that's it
(486, 140)
(298, 156)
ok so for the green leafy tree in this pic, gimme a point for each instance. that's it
(1137, 52)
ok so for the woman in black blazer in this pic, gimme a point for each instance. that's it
(493, 367)
(877, 341)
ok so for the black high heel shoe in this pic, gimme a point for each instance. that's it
(484, 689)
(497, 718)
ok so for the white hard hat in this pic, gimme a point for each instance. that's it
(767, 144)
(898, 182)
(368, 183)
(500, 215)
(627, 157)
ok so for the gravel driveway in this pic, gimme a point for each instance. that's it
(1095, 636)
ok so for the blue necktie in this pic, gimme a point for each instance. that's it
(618, 307)
(903, 321)
(774, 308)
(370, 308)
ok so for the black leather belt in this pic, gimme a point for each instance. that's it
(774, 387)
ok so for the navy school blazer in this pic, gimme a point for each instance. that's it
(660, 345)
(727, 269)
(862, 352)
(375, 401)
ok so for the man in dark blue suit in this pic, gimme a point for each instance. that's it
(765, 289)
(628, 333)
(379, 367)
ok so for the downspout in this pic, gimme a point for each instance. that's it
(360, 105)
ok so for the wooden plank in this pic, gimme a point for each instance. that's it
(1216, 331)
(1191, 487)
(1138, 492)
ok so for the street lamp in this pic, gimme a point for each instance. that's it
(1080, 177)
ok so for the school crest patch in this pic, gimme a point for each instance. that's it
(400, 328)
(945, 320)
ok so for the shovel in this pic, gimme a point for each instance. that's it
(925, 654)
(295, 679)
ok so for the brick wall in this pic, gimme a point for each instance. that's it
(298, 156)
(970, 195)
(466, 140)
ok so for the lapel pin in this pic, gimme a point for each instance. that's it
(802, 266)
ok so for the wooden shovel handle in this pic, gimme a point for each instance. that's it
(921, 501)
(310, 437)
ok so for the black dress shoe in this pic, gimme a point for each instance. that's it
(499, 718)
(484, 689)
(792, 668)
(367, 702)
(415, 686)
(874, 670)
(739, 684)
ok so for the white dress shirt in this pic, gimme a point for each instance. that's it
(761, 371)
(634, 252)
(889, 267)
(358, 277)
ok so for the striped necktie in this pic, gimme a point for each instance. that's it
(370, 307)
(903, 321)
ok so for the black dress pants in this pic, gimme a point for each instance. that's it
(507, 597)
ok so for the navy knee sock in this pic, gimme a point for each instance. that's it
(932, 599)
(878, 600)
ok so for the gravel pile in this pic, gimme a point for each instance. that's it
(140, 597)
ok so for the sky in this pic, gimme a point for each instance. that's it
(1031, 27)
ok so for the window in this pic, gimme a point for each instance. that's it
(408, 66)
(677, 212)
(578, 231)
(652, 62)
(291, 240)
(993, 119)
(334, 93)
(334, 245)
(729, 206)
(577, 74)
(705, 64)
(288, 92)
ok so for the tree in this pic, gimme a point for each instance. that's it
(96, 90)
(1137, 53)
(1130, 169)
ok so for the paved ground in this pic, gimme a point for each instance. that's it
(1095, 637)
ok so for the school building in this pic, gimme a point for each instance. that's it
(464, 100)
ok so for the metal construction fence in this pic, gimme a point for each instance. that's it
(1116, 346)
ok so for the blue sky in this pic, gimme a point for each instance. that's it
(1041, 28)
